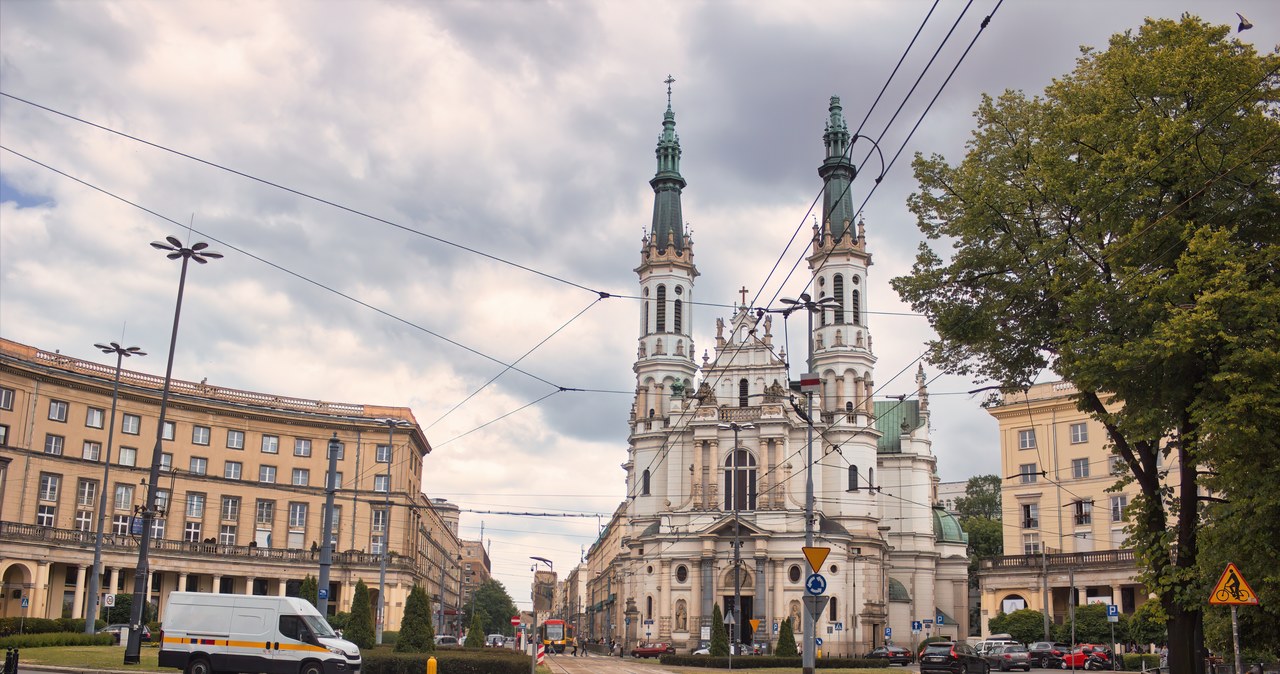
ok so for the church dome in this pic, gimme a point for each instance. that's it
(946, 528)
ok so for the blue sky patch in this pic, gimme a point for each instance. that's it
(10, 193)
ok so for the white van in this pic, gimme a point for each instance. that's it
(205, 633)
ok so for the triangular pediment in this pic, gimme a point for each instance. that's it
(724, 527)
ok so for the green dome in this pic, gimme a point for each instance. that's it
(898, 591)
(946, 528)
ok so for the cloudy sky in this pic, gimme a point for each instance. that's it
(477, 172)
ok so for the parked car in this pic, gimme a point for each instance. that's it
(703, 648)
(446, 640)
(1009, 657)
(896, 655)
(1042, 651)
(1078, 658)
(119, 628)
(950, 656)
(652, 650)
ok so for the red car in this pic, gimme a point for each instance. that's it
(1077, 658)
(651, 650)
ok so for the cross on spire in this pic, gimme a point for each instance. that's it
(743, 291)
(669, 80)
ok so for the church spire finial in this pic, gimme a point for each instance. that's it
(669, 81)
(838, 172)
(667, 183)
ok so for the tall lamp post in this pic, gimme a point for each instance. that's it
(811, 307)
(737, 541)
(200, 253)
(533, 663)
(326, 525)
(95, 581)
(391, 424)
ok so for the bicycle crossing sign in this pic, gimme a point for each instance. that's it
(1232, 589)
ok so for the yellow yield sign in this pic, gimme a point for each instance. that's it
(755, 625)
(1232, 589)
(816, 557)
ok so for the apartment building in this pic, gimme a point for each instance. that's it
(241, 493)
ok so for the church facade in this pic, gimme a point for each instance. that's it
(715, 514)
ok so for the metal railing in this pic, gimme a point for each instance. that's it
(1059, 560)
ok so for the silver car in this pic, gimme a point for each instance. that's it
(1009, 657)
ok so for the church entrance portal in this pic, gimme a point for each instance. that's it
(748, 612)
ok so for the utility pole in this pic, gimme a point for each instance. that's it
(326, 532)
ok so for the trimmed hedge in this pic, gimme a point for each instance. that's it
(42, 625)
(765, 661)
(56, 639)
(1133, 662)
(448, 661)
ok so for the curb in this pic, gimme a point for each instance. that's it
(81, 670)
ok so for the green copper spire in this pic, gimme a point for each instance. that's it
(668, 221)
(837, 172)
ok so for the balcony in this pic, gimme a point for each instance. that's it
(1060, 560)
(1084, 520)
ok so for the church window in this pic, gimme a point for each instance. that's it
(678, 316)
(644, 310)
(837, 287)
(644, 483)
(662, 309)
(794, 573)
(743, 389)
(834, 615)
(871, 478)
(682, 573)
(855, 308)
(648, 608)
(848, 407)
(822, 314)
(853, 478)
(740, 481)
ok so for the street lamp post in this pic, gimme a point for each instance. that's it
(391, 424)
(737, 541)
(95, 581)
(533, 662)
(326, 548)
(200, 253)
(805, 302)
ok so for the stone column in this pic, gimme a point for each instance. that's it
(40, 591)
(182, 581)
(248, 584)
(708, 585)
(695, 480)
(284, 587)
(665, 614)
(695, 598)
(77, 605)
(632, 624)
(217, 584)
(759, 606)
(113, 580)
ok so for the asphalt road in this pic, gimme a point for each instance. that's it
(597, 664)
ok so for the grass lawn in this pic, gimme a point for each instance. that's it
(95, 657)
(784, 670)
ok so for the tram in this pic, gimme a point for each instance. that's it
(556, 634)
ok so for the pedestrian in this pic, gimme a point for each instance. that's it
(574, 643)
(1164, 657)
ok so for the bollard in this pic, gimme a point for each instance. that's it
(431, 665)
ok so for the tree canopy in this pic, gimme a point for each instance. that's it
(1121, 231)
(360, 628)
(494, 607)
(981, 498)
(417, 635)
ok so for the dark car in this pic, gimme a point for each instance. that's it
(119, 628)
(651, 650)
(1041, 651)
(1012, 656)
(950, 656)
(896, 655)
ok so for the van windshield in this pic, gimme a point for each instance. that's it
(319, 626)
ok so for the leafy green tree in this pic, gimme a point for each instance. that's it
(360, 628)
(981, 498)
(719, 637)
(308, 591)
(786, 641)
(494, 606)
(986, 540)
(1144, 626)
(475, 633)
(1120, 230)
(417, 635)
(1025, 625)
(124, 607)
(1091, 626)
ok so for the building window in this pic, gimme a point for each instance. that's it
(267, 474)
(195, 504)
(166, 461)
(93, 417)
(682, 573)
(1027, 473)
(297, 515)
(301, 447)
(855, 307)
(834, 613)
(235, 439)
(335, 482)
(46, 515)
(1027, 439)
(92, 451)
(341, 450)
(49, 486)
(382, 454)
(124, 496)
(200, 435)
(4, 435)
(232, 470)
(168, 430)
(301, 477)
(128, 456)
(58, 410)
(644, 483)
(1084, 513)
(53, 444)
(227, 534)
(1030, 515)
(335, 525)
(1118, 504)
(677, 316)
(265, 512)
(744, 391)
(6, 399)
(1116, 465)
(793, 573)
(162, 500)
(120, 525)
(1031, 544)
(84, 520)
(380, 482)
(662, 309)
(191, 533)
(853, 478)
(1079, 433)
(837, 291)
(86, 492)
(199, 465)
(379, 522)
(131, 424)
(270, 444)
(740, 483)
(157, 529)
(375, 543)
(1079, 468)
(231, 508)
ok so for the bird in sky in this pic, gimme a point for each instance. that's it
(1244, 23)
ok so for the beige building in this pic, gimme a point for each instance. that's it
(1062, 524)
(241, 491)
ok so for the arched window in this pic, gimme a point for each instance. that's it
(835, 612)
(678, 317)
(648, 607)
(644, 309)
(740, 489)
(837, 287)
(644, 483)
(853, 478)
(855, 308)
(822, 315)
(871, 478)
(848, 407)
(662, 309)
(743, 390)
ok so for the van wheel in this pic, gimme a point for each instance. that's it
(198, 666)
(311, 668)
